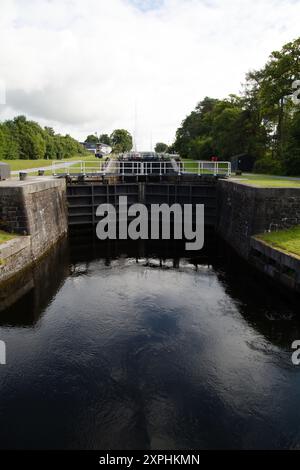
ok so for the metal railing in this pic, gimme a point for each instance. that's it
(205, 167)
(139, 168)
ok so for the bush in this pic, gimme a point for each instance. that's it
(292, 162)
(201, 148)
(22, 139)
(268, 165)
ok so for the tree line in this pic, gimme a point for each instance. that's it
(120, 140)
(263, 121)
(24, 139)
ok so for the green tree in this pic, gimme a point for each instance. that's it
(9, 148)
(274, 88)
(160, 147)
(197, 124)
(222, 127)
(91, 139)
(201, 148)
(105, 139)
(291, 148)
(121, 141)
(20, 138)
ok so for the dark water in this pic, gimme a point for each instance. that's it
(141, 347)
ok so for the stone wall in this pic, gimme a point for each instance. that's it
(39, 280)
(275, 263)
(36, 209)
(14, 255)
(13, 214)
(244, 211)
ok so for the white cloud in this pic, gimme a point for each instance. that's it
(82, 65)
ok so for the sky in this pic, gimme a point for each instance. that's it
(86, 66)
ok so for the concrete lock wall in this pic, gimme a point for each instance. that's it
(37, 210)
(276, 264)
(244, 211)
(14, 256)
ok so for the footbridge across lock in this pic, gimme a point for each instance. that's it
(148, 181)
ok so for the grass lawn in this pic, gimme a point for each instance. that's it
(287, 240)
(192, 166)
(267, 181)
(92, 164)
(260, 181)
(16, 165)
(5, 237)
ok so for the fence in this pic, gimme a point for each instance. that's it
(142, 168)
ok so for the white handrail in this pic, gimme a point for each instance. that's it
(141, 168)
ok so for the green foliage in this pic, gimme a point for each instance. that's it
(27, 140)
(263, 122)
(291, 145)
(268, 165)
(91, 139)
(121, 141)
(105, 139)
(201, 148)
(160, 147)
(217, 127)
(9, 147)
(287, 240)
(5, 237)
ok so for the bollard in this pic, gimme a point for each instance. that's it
(4, 171)
(23, 175)
(41, 172)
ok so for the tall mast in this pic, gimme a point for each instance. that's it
(135, 126)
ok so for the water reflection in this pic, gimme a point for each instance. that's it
(25, 297)
(128, 346)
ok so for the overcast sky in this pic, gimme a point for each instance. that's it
(83, 66)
